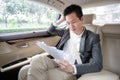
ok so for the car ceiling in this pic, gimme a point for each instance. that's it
(61, 4)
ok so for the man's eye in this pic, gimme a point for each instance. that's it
(74, 22)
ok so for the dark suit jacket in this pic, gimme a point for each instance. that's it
(89, 48)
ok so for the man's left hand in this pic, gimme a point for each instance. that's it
(64, 65)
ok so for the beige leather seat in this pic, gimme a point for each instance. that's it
(88, 22)
(103, 75)
(111, 47)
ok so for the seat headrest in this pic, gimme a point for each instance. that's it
(111, 28)
(88, 18)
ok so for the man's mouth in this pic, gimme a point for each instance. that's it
(73, 29)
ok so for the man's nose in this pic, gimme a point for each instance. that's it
(71, 25)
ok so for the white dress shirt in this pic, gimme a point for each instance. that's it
(74, 39)
(69, 47)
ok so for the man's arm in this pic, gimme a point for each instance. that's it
(95, 64)
(53, 30)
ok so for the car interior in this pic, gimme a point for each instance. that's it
(18, 50)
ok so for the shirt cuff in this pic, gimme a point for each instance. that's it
(75, 70)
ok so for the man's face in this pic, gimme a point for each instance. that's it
(74, 23)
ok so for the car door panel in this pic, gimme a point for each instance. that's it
(17, 49)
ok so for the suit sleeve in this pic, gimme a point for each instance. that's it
(53, 30)
(95, 64)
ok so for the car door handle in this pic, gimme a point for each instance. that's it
(23, 45)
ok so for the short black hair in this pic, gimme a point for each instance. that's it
(73, 8)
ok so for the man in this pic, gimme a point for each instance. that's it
(83, 44)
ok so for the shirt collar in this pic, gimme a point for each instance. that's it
(73, 35)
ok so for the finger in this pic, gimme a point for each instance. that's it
(62, 67)
(65, 63)
(57, 61)
(62, 63)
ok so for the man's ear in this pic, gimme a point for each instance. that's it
(82, 18)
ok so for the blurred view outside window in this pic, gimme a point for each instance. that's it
(105, 14)
(24, 15)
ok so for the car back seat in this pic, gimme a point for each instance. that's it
(111, 47)
(88, 22)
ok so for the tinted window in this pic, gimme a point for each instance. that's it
(24, 15)
(105, 14)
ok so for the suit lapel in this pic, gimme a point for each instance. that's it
(64, 39)
(82, 43)
(66, 36)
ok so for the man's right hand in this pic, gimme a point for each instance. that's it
(62, 19)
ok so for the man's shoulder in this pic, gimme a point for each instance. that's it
(89, 32)
(92, 35)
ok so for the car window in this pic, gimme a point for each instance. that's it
(105, 14)
(24, 15)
